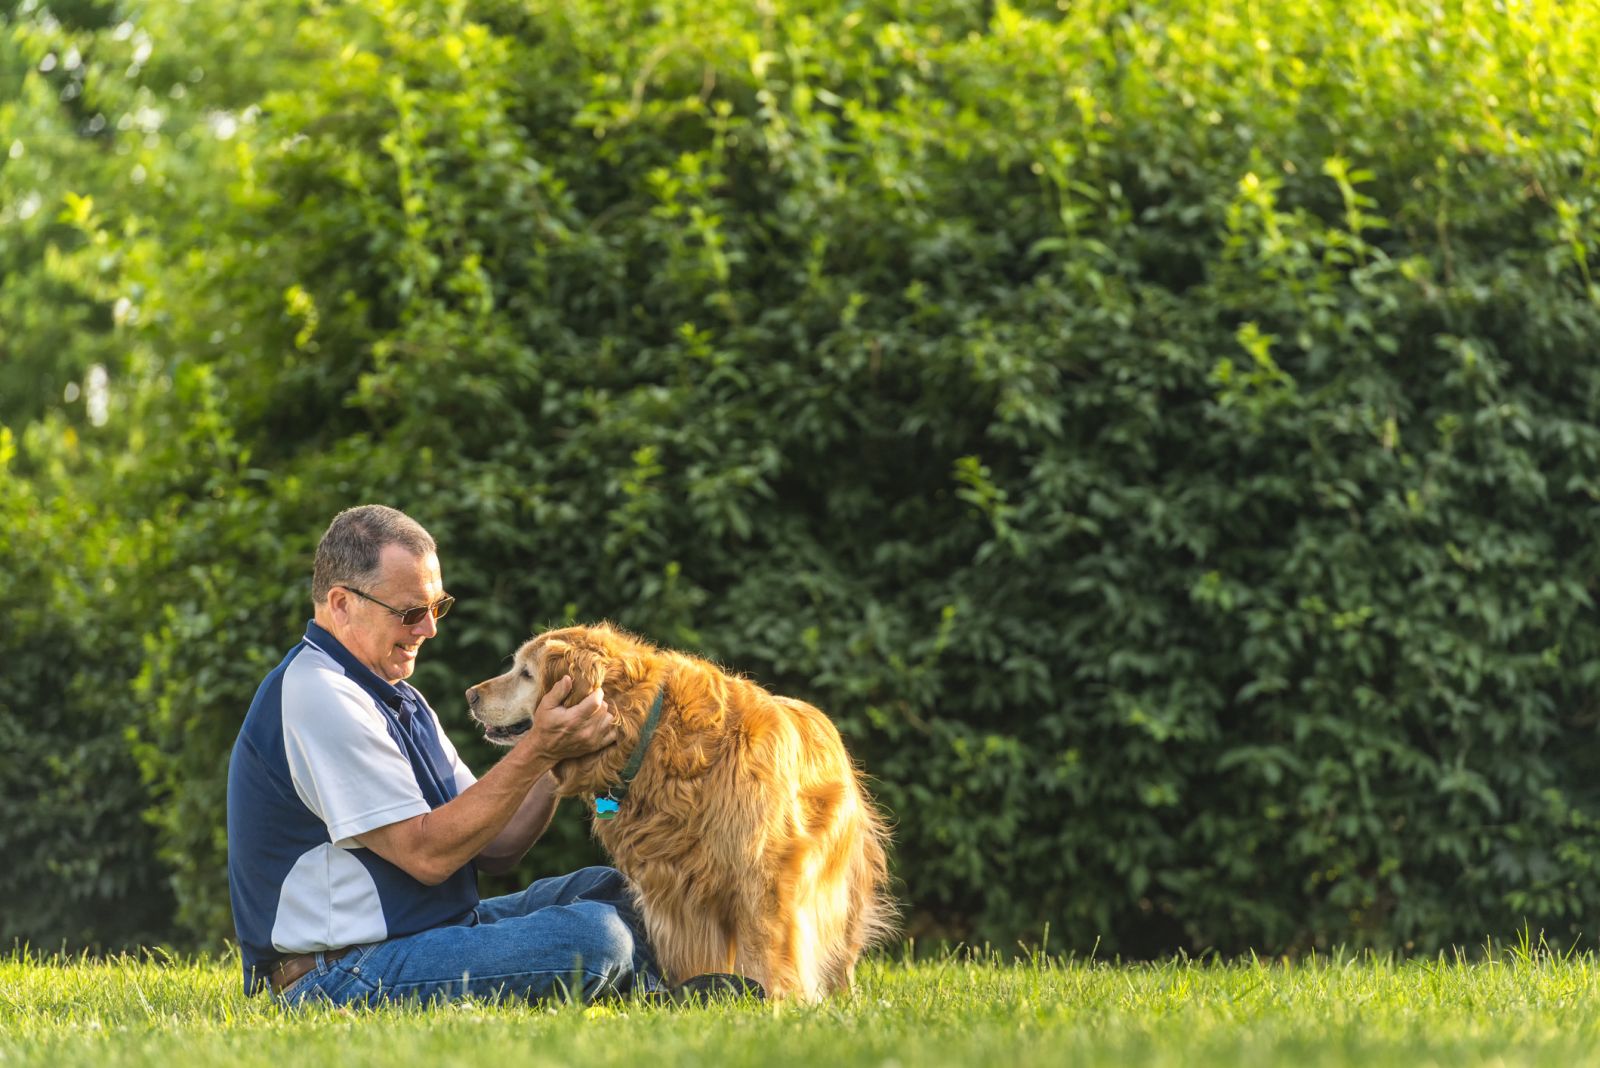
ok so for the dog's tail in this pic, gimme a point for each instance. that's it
(874, 915)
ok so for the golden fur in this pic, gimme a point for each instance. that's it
(747, 837)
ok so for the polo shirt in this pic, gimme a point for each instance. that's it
(327, 752)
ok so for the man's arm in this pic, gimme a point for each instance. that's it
(433, 846)
(501, 855)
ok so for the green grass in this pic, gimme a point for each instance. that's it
(1507, 1008)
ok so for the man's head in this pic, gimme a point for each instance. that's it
(374, 565)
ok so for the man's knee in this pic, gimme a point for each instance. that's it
(600, 882)
(606, 941)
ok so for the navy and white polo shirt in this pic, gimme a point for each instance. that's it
(329, 751)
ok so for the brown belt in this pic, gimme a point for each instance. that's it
(289, 969)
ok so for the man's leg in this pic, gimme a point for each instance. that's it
(570, 941)
(586, 884)
(608, 885)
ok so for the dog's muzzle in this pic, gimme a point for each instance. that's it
(496, 734)
(506, 734)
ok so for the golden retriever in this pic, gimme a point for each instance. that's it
(747, 837)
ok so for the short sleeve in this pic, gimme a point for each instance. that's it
(342, 761)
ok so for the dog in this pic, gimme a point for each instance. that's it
(745, 833)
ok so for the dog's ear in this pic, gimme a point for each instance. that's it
(586, 666)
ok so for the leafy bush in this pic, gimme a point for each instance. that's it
(81, 869)
(1161, 436)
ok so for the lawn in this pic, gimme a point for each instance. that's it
(1502, 1008)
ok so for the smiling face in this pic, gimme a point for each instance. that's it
(374, 634)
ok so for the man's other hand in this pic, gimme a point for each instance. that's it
(560, 732)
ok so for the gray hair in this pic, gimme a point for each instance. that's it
(350, 549)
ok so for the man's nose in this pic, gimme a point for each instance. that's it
(428, 627)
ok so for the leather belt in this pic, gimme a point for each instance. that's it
(289, 969)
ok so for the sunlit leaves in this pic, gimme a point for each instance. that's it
(1160, 436)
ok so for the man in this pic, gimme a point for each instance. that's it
(354, 829)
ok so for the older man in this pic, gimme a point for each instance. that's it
(354, 829)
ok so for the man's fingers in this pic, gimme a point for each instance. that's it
(578, 729)
(557, 693)
(600, 725)
(595, 733)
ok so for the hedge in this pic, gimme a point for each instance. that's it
(1162, 436)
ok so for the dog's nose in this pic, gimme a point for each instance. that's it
(472, 697)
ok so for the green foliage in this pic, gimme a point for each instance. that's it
(1161, 436)
(81, 869)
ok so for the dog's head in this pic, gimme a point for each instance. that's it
(596, 657)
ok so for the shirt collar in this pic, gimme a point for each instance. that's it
(386, 692)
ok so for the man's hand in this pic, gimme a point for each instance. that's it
(560, 732)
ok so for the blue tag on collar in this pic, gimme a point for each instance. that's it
(605, 808)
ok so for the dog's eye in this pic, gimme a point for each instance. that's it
(527, 674)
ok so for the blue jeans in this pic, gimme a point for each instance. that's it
(573, 936)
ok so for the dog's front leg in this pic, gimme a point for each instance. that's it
(688, 942)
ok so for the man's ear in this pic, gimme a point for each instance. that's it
(340, 601)
(586, 666)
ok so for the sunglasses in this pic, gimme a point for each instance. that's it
(410, 616)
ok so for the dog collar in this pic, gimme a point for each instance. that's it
(605, 808)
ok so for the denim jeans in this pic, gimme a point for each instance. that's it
(577, 935)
